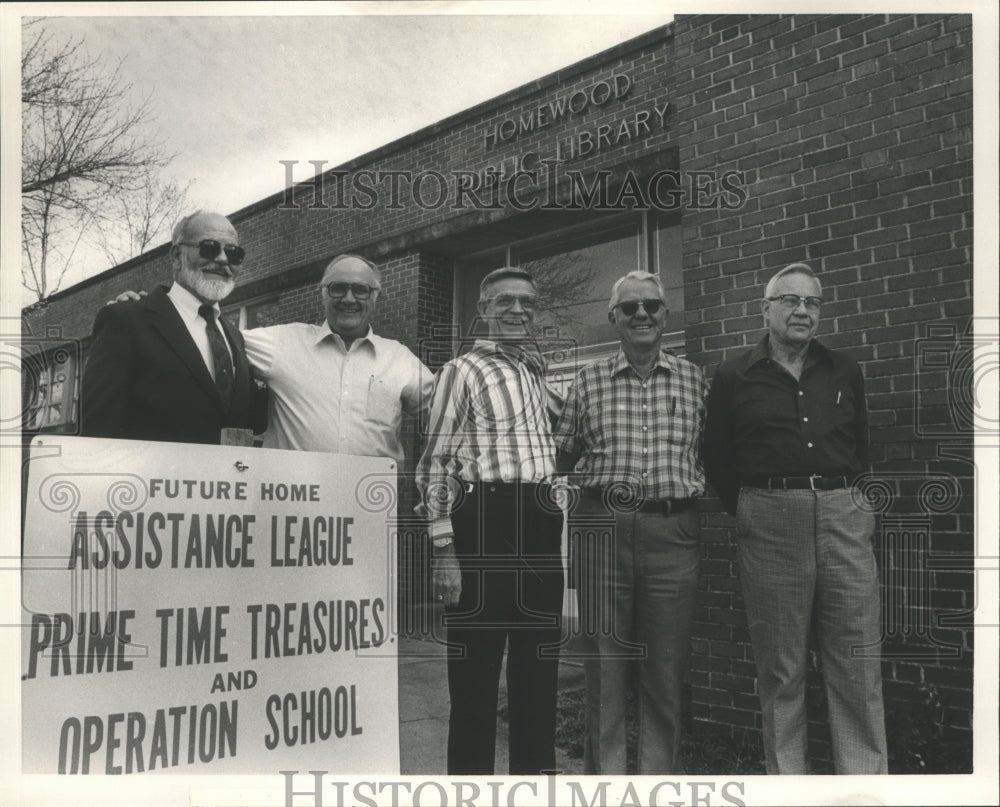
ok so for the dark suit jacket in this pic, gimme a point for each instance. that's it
(146, 380)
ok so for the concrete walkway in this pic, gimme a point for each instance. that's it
(423, 710)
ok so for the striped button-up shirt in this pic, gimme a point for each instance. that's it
(489, 422)
(618, 428)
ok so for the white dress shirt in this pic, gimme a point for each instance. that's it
(187, 306)
(325, 397)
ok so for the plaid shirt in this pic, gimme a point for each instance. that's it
(488, 422)
(618, 428)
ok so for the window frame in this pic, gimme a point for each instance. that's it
(41, 366)
(241, 309)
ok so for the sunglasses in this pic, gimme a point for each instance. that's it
(361, 291)
(630, 308)
(209, 249)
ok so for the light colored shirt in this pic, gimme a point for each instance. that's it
(187, 306)
(325, 397)
(489, 422)
(641, 432)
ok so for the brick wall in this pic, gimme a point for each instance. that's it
(71, 312)
(854, 134)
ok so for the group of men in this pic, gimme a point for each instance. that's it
(167, 366)
(782, 433)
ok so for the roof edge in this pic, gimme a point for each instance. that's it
(555, 78)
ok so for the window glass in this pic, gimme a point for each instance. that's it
(263, 313)
(667, 260)
(54, 391)
(233, 316)
(257, 314)
(574, 275)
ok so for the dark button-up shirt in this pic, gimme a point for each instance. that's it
(761, 422)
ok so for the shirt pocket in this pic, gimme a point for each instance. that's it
(680, 426)
(844, 409)
(382, 405)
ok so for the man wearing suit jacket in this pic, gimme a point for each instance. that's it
(167, 367)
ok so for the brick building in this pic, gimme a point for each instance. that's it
(713, 151)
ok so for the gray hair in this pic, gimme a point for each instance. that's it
(791, 269)
(503, 273)
(180, 228)
(635, 275)
(180, 231)
(347, 255)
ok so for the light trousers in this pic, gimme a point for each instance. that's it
(636, 581)
(806, 561)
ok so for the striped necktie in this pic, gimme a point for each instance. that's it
(220, 356)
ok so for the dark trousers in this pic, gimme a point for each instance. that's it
(507, 539)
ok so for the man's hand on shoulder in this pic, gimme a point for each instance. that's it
(125, 296)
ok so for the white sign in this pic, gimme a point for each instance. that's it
(207, 609)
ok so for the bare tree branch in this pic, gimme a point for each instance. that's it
(86, 147)
(134, 222)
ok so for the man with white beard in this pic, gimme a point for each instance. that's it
(167, 367)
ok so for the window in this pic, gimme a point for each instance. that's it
(256, 314)
(574, 274)
(52, 390)
(667, 257)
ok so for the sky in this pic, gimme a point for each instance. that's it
(231, 96)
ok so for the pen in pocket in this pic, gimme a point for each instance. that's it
(838, 397)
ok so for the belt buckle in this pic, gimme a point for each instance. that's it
(812, 483)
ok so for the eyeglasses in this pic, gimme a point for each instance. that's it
(209, 249)
(361, 291)
(529, 302)
(791, 301)
(631, 308)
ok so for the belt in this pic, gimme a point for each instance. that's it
(504, 488)
(666, 507)
(814, 482)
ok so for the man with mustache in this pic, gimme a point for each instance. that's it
(785, 437)
(167, 367)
